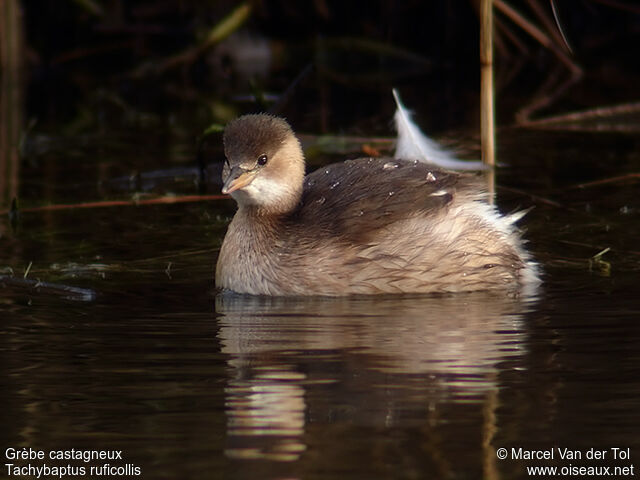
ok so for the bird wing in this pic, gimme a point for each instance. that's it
(356, 198)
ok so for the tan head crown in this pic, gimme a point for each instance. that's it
(252, 135)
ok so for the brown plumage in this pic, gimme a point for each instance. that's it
(365, 226)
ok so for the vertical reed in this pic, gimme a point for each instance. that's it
(10, 97)
(487, 132)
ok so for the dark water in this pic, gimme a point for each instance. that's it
(190, 385)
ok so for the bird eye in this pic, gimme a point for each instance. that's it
(262, 160)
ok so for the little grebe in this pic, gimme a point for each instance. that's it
(365, 226)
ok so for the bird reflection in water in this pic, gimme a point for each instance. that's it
(281, 350)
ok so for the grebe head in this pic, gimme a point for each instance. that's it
(264, 165)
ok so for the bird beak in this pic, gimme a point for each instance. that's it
(238, 178)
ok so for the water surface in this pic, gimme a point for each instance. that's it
(193, 385)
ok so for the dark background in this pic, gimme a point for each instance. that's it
(96, 54)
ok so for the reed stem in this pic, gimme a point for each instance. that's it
(10, 98)
(487, 131)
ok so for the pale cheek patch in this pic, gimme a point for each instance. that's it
(263, 191)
